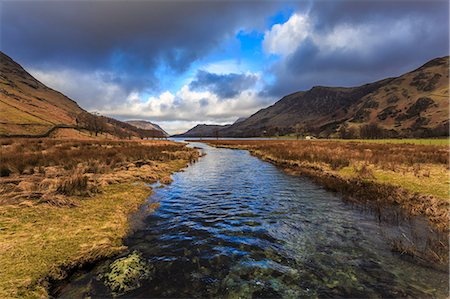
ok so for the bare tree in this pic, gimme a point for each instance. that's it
(91, 122)
(299, 129)
(372, 131)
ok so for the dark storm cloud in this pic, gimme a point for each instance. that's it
(327, 14)
(100, 51)
(402, 35)
(225, 86)
(129, 38)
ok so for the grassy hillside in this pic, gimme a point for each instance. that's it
(146, 125)
(412, 105)
(29, 108)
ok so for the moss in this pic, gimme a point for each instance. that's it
(126, 273)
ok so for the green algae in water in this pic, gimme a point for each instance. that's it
(127, 273)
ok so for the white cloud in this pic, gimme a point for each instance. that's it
(284, 38)
(364, 38)
(87, 89)
(226, 67)
(176, 111)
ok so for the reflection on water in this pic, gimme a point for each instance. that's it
(234, 226)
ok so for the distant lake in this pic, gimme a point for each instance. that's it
(232, 225)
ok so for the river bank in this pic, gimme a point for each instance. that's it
(67, 203)
(413, 177)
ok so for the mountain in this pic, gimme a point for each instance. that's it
(28, 108)
(146, 125)
(414, 104)
(239, 120)
(203, 130)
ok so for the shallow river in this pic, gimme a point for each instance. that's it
(232, 225)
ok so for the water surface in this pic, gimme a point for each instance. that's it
(232, 225)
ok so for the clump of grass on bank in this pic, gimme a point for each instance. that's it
(67, 203)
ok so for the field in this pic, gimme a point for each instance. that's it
(421, 141)
(418, 173)
(67, 203)
(431, 141)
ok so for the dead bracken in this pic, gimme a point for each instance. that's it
(65, 203)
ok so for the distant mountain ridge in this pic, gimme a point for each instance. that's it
(239, 120)
(412, 105)
(146, 125)
(28, 108)
(203, 130)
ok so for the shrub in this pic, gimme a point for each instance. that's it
(75, 185)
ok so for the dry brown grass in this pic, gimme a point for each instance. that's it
(342, 153)
(64, 203)
(45, 168)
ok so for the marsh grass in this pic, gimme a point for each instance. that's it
(74, 185)
(64, 203)
(19, 155)
(42, 168)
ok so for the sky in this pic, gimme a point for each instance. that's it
(180, 63)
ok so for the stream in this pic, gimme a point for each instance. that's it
(233, 226)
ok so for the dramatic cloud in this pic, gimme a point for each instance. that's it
(188, 107)
(181, 62)
(285, 38)
(92, 90)
(374, 41)
(225, 86)
(133, 38)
